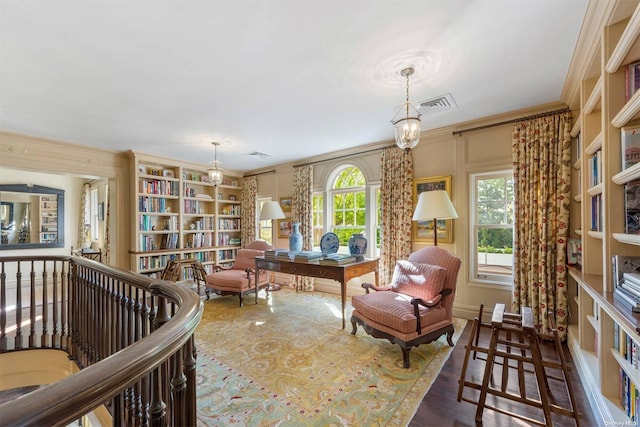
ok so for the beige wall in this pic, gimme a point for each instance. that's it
(58, 161)
(439, 153)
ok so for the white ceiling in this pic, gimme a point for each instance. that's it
(292, 79)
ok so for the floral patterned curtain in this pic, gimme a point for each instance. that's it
(541, 150)
(249, 209)
(82, 219)
(396, 206)
(106, 253)
(301, 211)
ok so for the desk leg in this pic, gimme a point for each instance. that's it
(343, 296)
(256, 279)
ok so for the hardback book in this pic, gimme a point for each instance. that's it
(630, 148)
(344, 259)
(632, 207)
(307, 256)
(632, 278)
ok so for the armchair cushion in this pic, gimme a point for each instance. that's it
(394, 310)
(418, 280)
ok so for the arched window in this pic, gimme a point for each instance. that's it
(348, 204)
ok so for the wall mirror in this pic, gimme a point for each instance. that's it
(31, 216)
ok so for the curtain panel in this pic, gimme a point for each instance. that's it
(248, 206)
(541, 149)
(396, 206)
(301, 211)
(82, 219)
(106, 242)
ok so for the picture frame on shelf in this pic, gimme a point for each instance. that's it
(232, 197)
(169, 173)
(574, 251)
(423, 231)
(284, 228)
(632, 207)
(632, 73)
(142, 169)
(285, 204)
(630, 145)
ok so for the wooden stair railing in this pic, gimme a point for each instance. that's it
(131, 336)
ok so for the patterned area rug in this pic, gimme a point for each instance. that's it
(286, 362)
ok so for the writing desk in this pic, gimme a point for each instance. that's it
(340, 273)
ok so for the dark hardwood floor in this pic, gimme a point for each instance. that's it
(441, 408)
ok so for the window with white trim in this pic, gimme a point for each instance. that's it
(265, 228)
(491, 218)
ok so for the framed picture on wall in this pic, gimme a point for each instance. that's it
(284, 228)
(422, 231)
(285, 204)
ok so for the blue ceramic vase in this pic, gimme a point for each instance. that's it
(295, 239)
(358, 245)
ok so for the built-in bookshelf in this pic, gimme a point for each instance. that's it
(180, 215)
(604, 334)
(48, 219)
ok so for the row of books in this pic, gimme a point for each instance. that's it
(629, 397)
(595, 169)
(162, 188)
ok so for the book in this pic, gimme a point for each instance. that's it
(633, 278)
(275, 253)
(630, 145)
(344, 259)
(632, 207)
(307, 256)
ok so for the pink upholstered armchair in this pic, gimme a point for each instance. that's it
(417, 307)
(239, 279)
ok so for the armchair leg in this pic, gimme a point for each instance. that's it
(450, 337)
(354, 324)
(405, 357)
(241, 302)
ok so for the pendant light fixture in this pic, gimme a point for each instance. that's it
(407, 127)
(215, 173)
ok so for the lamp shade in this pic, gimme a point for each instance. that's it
(271, 210)
(434, 204)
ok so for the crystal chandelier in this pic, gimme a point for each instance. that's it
(407, 127)
(215, 173)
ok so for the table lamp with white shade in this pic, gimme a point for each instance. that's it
(271, 211)
(434, 205)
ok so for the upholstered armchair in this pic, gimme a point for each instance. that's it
(417, 307)
(239, 278)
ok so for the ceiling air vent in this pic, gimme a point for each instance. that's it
(443, 102)
(259, 155)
